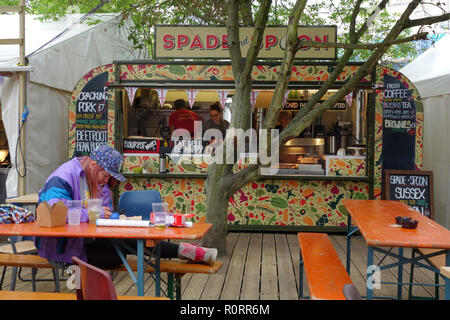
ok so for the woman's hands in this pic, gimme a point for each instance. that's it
(107, 212)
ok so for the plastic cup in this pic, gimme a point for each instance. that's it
(94, 207)
(74, 211)
(160, 212)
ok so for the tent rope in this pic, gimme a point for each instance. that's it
(98, 7)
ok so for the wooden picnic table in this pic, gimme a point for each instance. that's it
(141, 234)
(30, 199)
(375, 219)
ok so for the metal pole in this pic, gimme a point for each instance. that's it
(22, 99)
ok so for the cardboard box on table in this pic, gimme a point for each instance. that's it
(51, 216)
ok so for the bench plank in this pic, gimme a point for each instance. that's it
(436, 261)
(27, 295)
(445, 271)
(177, 267)
(324, 270)
(24, 260)
(171, 266)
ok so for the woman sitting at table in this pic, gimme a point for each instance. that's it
(93, 177)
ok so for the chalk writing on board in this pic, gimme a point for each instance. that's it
(411, 187)
(399, 126)
(141, 145)
(92, 116)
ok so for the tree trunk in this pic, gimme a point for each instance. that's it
(216, 209)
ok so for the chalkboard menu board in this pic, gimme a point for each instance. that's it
(92, 116)
(415, 188)
(399, 126)
(298, 104)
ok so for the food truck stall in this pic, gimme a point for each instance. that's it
(126, 105)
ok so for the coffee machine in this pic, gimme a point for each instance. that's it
(345, 134)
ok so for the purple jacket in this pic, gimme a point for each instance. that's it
(63, 185)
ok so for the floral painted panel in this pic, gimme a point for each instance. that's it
(183, 195)
(264, 203)
(139, 163)
(169, 72)
(378, 162)
(346, 166)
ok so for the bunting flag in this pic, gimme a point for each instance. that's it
(253, 96)
(223, 97)
(131, 92)
(349, 99)
(191, 96)
(162, 96)
(285, 97)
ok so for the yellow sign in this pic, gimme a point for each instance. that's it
(212, 42)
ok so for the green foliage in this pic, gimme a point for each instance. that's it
(145, 14)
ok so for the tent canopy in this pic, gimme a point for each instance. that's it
(56, 68)
(430, 72)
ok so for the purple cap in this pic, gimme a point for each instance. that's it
(110, 160)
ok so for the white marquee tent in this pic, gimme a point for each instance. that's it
(430, 73)
(55, 70)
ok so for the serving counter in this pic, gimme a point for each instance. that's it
(283, 201)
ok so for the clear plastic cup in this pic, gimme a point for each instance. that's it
(160, 212)
(94, 207)
(74, 211)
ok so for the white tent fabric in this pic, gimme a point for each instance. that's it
(55, 70)
(430, 74)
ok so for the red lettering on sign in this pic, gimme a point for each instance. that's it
(168, 42)
(271, 41)
(211, 42)
(306, 38)
(183, 40)
(225, 41)
(324, 39)
(197, 43)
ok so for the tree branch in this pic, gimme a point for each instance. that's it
(352, 33)
(236, 181)
(427, 20)
(233, 37)
(246, 13)
(258, 32)
(286, 65)
(356, 78)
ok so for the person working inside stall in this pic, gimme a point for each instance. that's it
(216, 121)
(284, 118)
(182, 118)
(94, 176)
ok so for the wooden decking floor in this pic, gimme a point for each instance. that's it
(259, 266)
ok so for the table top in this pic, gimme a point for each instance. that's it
(32, 198)
(90, 230)
(376, 221)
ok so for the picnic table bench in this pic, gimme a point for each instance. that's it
(324, 270)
